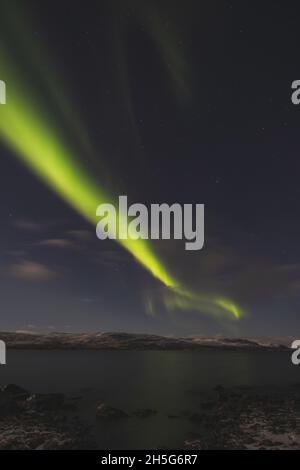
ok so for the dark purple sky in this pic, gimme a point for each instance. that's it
(183, 103)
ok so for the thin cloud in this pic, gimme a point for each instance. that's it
(32, 271)
(57, 242)
(88, 300)
(28, 225)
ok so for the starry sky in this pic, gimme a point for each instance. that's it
(164, 102)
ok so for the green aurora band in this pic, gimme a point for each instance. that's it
(33, 136)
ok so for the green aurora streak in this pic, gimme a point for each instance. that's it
(32, 136)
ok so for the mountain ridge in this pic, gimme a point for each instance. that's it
(138, 341)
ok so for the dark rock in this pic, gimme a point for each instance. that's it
(8, 406)
(15, 391)
(145, 413)
(46, 401)
(57, 444)
(105, 411)
(193, 444)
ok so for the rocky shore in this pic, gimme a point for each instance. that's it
(245, 418)
(232, 418)
(40, 421)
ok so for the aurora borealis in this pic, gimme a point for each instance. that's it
(32, 139)
(74, 120)
(26, 130)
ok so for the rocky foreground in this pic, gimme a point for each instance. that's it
(39, 421)
(232, 418)
(131, 341)
(244, 418)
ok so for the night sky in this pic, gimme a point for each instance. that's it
(164, 101)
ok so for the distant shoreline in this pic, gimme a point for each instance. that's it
(114, 341)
